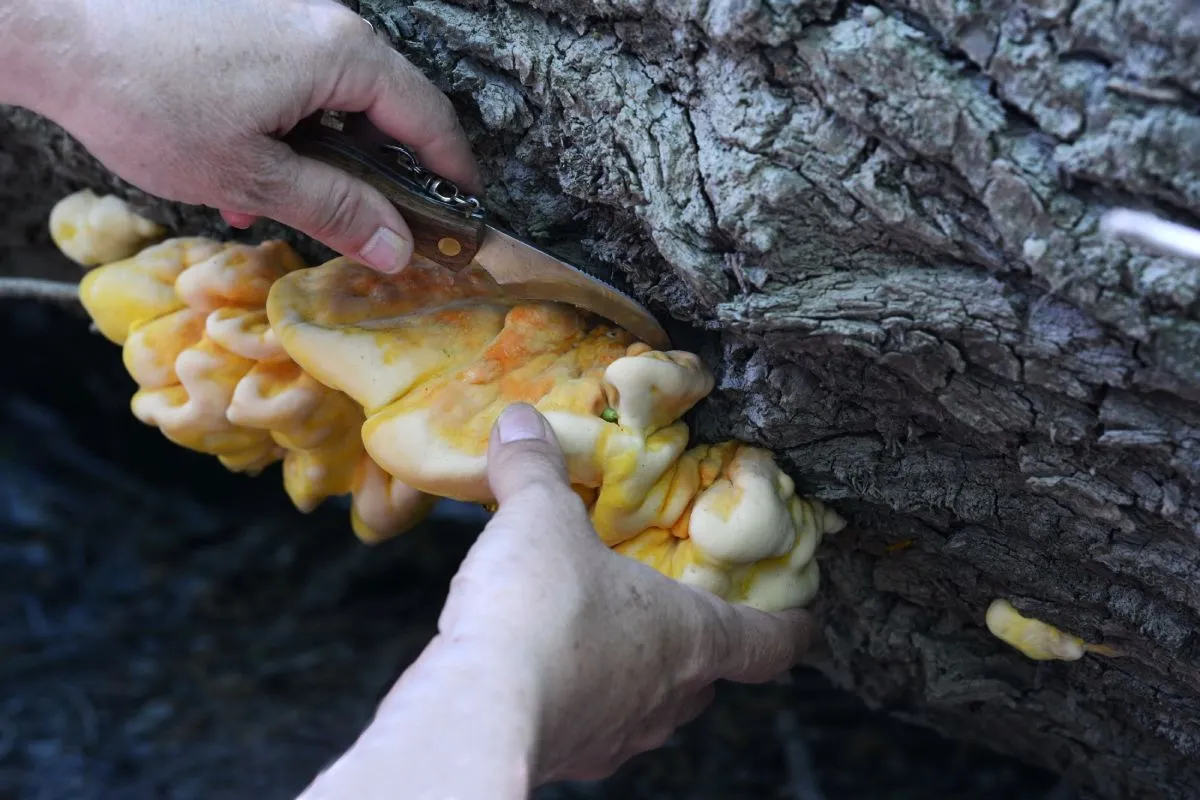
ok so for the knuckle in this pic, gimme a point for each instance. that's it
(646, 741)
(463, 581)
(335, 210)
(444, 111)
(536, 460)
(269, 180)
(552, 496)
(336, 23)
(444, 123)
(551, 504)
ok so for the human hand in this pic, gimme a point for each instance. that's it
(556, 657)
(184, 100)
(624, 655)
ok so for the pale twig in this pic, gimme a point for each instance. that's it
(61, 292)
(1167, 236)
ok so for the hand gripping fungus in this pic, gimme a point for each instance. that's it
(387, 387)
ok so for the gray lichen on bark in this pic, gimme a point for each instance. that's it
(884, 224)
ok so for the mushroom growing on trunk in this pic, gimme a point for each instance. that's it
(387, 388)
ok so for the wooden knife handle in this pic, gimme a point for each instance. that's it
(447, 225)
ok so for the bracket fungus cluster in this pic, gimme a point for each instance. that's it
(386, 388)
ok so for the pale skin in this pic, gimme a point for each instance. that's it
(555, 658)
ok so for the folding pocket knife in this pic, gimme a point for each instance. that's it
(451, 228)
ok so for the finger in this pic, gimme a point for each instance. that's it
(332, 207)
(756, 646)
(524, 452)
(411, 109)
(237, 219)
(402, 102)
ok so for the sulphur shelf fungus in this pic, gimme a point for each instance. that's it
(91, 229)
(211, 375)
(387, 388)
(1038, 640)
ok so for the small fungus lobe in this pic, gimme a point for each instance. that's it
(90, 229)
(1038, 640)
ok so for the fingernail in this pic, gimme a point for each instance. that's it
(387, 251)
(520, 422)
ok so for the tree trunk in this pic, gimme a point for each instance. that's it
(880, 227)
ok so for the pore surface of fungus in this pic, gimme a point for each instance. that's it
(387, 388)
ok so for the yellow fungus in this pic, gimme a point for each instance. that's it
(213, 377)
(386, 388)
(90, 229)
(1038, 640)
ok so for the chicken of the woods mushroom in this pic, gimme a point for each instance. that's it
(1038, 640)
(386, 388)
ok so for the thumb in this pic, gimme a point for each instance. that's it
(334, 208)
(523, 453)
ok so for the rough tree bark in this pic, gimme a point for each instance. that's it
(880, 226)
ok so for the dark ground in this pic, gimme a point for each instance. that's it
(170, 630)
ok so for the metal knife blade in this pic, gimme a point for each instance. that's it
(451, 228)
(530, 273)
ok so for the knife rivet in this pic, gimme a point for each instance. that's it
(449, 246)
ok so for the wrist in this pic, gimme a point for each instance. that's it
(461, 722)
(483, 684)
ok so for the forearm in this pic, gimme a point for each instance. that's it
(40, 41)
(460, 724)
